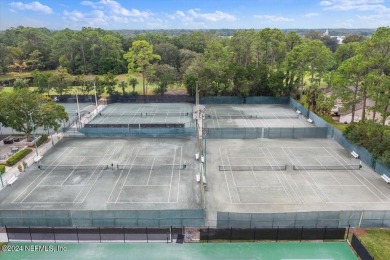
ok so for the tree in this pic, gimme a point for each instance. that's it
(348, 81)
(354, 38)
(41, 81)
(109, 81)
(17, 108)
(20, 83)
(164, 76)
(60, 80)
(139, 58)
(123, 86)
(133, 82)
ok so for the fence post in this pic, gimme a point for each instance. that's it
(29, 230)
(100, 236)
(348, 231)
(147, 235)
(77, 233)
(325, 233)
(54, 234)
(231, 233)
(6, 232)
(124, 234)
(208, 231)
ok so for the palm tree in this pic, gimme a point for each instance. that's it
(123, 86)
(133, 82)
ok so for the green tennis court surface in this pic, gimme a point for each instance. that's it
(267, 251)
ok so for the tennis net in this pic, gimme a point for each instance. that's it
(326, 167)
(252, 167)
(148, 114)
(245, 116)
(114, 167)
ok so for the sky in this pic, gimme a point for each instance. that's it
(194, 14)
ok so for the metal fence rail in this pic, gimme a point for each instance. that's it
(102, 218)
(94, 234)
(138, 132)
(314, 219)
(272, 133)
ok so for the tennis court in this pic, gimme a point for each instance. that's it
(152, 113)
(264, 175)
(269, 251)
(231, 116)
(99, 174)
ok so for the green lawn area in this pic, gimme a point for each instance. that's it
(120, 78)
(377, 242)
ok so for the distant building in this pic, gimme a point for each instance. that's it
(339, 39)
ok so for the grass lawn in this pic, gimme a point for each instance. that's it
(120, 78)
(377, 242)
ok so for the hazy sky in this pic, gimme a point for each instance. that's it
(194, 14)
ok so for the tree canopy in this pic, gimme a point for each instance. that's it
(25, 111)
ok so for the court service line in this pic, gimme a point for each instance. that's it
(97, 177)
(128, 173)
(39, 182)
(357, 172)
(227, 184)
(253, 174)
(308, 183)
(120, 175)
(288, 194)
(315, 182)
(327, 171)
(231, 172)
(59, 156)
(170, 183)
(178, 183)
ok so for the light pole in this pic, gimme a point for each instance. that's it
(78, 107)
(94, 85)
(33, 132)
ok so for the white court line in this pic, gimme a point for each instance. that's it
(231, 172)
(36, 186)
(315, 182)
(227, 184)
(59, 156)
(120, 175)
(97, 177)
(146, 185)
(141, 202)
(327, 171)
(128, 173)
(150, 172)
(178, 183)
(308, 183)
(71, 173)
(357, 171)
(170, 183)
(253, 174)
(288, 194)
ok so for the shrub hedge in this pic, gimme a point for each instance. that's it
(42, 140)
(14, 159)
(2, 169)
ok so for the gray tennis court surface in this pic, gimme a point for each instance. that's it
(110, 174)
(170, 113)
(232, 116)
(237, 188)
